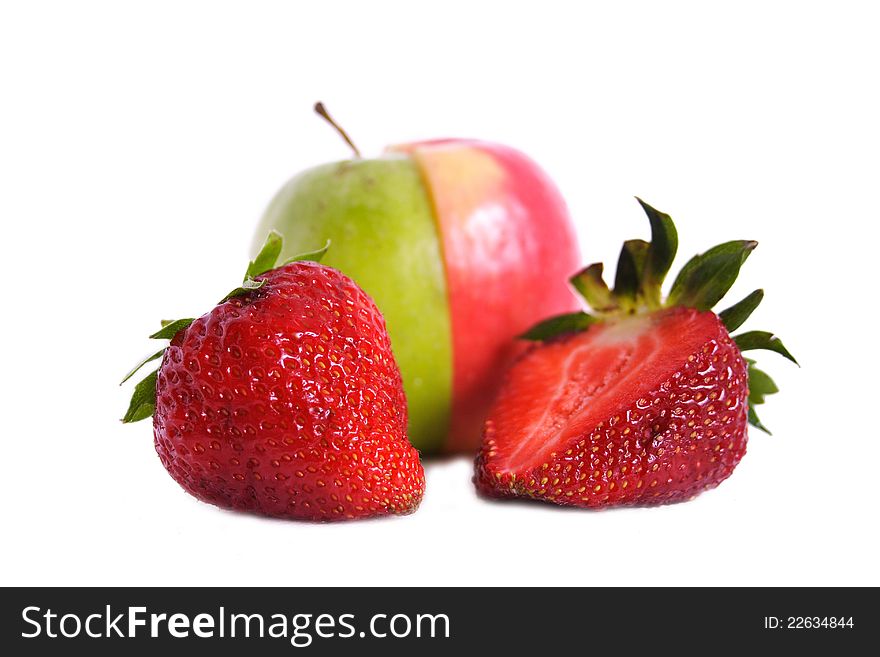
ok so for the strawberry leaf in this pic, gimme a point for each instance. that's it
(267, 257)
(756, 422)
(707, 277)
(559, 325)
(630, 269)
(143, 399)
(760, 385)
(314, 256)
(270, 251)
(664, 245)
(146, 360)
(170, 329)
(737, 314)
(762, 340)
(249, 285)
(592, 287)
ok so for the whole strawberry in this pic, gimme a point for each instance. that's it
(285, 399)
(644, 401)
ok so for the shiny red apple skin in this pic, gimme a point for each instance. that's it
(509, 247)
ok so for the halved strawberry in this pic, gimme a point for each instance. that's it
(642, 402)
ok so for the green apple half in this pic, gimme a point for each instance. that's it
(462, 244)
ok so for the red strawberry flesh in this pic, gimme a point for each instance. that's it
(648, 408)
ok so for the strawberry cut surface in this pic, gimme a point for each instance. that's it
(645, 409)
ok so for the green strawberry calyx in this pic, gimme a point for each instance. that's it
(702, 282)
(143, 399)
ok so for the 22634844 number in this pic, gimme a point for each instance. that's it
(808, 622)
(812, 622)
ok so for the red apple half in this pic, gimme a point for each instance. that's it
(508, 248)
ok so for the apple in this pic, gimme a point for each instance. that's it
(463, 244)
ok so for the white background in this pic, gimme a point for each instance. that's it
(140, 142)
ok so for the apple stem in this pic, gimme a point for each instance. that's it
(324, 114)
